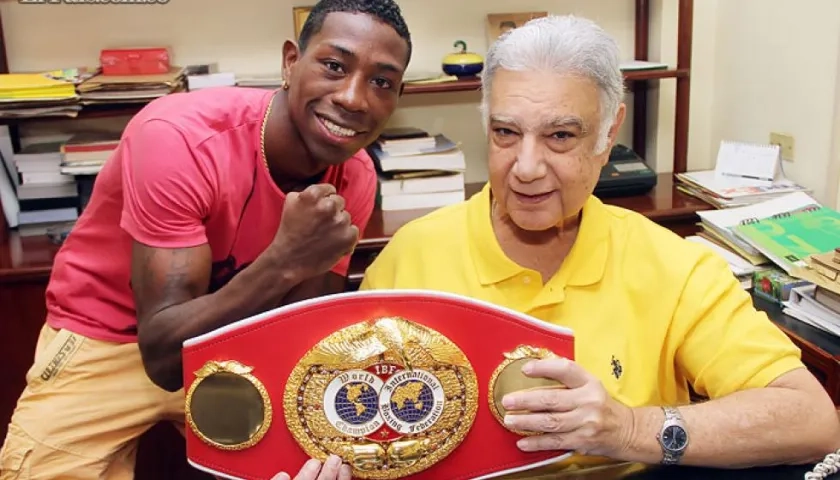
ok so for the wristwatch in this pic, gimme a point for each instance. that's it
(673, 438)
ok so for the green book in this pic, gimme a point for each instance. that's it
(788, 238)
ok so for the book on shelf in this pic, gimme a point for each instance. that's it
(443, 155)
(805, 306)
(86, 152)
(417, 170)
(105, 89)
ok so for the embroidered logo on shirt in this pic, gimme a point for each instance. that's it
(616, 367)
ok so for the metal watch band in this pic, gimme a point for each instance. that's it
(672, 415)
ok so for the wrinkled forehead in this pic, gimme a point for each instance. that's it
(534, 99)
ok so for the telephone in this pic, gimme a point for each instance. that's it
(625, 174)
(829, 466)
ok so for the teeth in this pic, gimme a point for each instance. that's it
(337, 129)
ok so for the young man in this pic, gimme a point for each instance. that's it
(217, 205)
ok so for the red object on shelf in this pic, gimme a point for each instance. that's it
(134, 61)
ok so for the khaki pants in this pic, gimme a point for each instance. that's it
(85, 404)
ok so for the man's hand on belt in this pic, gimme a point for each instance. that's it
(312, 470)
(581, 417)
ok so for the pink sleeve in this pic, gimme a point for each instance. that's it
(359, 194)
(167, 192)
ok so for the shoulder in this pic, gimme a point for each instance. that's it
(446, 225)
(200, 115)
(646, 247)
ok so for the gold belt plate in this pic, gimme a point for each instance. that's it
(390, 396)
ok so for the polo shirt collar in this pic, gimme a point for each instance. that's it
(585, 264)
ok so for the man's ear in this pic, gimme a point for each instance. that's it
(291, 55)
(618, 122)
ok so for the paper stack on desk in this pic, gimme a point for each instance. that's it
(25, 95)
(105, 89)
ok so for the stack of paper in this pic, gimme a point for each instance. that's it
(728, 191)
(36, 94)
(105, 89)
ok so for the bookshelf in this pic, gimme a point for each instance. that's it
(638, 83)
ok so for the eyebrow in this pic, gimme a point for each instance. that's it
(563, 121)
(380, 65)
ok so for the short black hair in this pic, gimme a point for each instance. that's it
(386, 11)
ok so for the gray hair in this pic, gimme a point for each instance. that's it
(565, 45)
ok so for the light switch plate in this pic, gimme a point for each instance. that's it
(785, 143)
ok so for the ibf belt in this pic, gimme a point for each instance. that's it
(399, 383)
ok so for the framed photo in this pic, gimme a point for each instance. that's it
(300, 15)
(499, 23)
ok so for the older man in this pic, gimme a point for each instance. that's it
(653, 315)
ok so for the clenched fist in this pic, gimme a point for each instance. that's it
(315, 231)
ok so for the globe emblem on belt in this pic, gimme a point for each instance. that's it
(356, 403)
(351, 403)
(412, 401)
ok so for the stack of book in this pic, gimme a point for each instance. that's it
(791, 247)
(25, 95)
(44, 196)
(417, 170)
(110, 89)
(818, 304)
(728, 192)
(86, 152)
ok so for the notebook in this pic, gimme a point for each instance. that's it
(788, 238)
(723, 221)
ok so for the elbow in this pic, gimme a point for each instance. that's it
(163, 368)
(825, 435)
(830, 440)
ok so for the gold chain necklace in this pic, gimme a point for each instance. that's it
(262, 132)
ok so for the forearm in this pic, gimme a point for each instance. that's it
(255, 289)
(763, 426)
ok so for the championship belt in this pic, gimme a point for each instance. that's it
(399, 383)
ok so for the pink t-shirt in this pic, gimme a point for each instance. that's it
(188, 171)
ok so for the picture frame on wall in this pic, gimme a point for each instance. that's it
(499, 23)
(300, 14)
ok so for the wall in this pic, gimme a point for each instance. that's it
(776, 69)
(246, 37)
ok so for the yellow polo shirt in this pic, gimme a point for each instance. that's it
(651, 312)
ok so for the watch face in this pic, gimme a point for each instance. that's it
(674, 438)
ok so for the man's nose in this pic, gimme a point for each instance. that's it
(352, 95)
(530, 160)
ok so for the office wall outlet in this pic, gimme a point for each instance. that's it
(785, 143)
